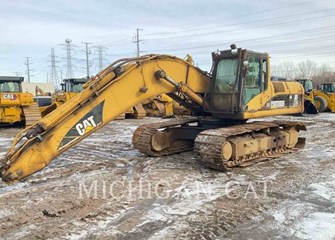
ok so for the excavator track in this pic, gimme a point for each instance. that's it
(245, 144)
(142, 138)
(32, 115)
(139, 111)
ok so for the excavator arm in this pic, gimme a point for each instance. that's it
(110, 93)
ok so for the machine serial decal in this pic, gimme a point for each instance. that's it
(86, 124)
(284, 101)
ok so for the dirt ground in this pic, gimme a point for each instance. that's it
(104, 189)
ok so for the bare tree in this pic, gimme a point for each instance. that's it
(324, 74)
(306, 69)
(284, 69)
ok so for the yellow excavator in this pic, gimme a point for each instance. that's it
(238, 88)
(16, 107)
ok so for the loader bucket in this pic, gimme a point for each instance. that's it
(310, 107)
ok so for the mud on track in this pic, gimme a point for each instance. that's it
(136, 197)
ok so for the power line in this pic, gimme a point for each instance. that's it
(263, 22)
(195, 25)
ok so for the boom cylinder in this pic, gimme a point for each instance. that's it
(182, 88)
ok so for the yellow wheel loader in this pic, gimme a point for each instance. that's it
(324, 98)
(16, 107)
(69, 88)
(237, 89)
(310, 105)
(318, 100)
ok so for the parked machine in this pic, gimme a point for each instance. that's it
(309, 101)
(238, 89)
(322, 99)
(70, 87)
(325, 97)
(16, 107)
(328, 87)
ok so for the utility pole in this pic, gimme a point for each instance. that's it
(87, 51)
(28, 68)
(137, 41)
(53, 73)
(69, 71)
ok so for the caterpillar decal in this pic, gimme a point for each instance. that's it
(86, 124)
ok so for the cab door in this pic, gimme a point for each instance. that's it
(225, 95)
(255, 78)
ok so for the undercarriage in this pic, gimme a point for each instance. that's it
(220, 144)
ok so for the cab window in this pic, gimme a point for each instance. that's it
(226, 75)
(9, 87)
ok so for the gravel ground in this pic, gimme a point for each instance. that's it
(104, 189)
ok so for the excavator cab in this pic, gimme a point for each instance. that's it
(238, 76)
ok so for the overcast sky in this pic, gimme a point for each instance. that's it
(292, 30)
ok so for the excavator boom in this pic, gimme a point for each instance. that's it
(122, 85)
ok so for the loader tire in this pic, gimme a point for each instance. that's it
(320, 103)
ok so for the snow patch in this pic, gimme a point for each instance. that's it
(317, 226)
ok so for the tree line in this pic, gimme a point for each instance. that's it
(319, 73)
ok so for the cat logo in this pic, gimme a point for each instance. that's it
(89, 122)
(86, 126)
(9, 96)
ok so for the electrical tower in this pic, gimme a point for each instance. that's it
(69, 71)
(28, 68)
(137, 41)
(101, 62)
(87, 51)
(53, 73)
(101, 51)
